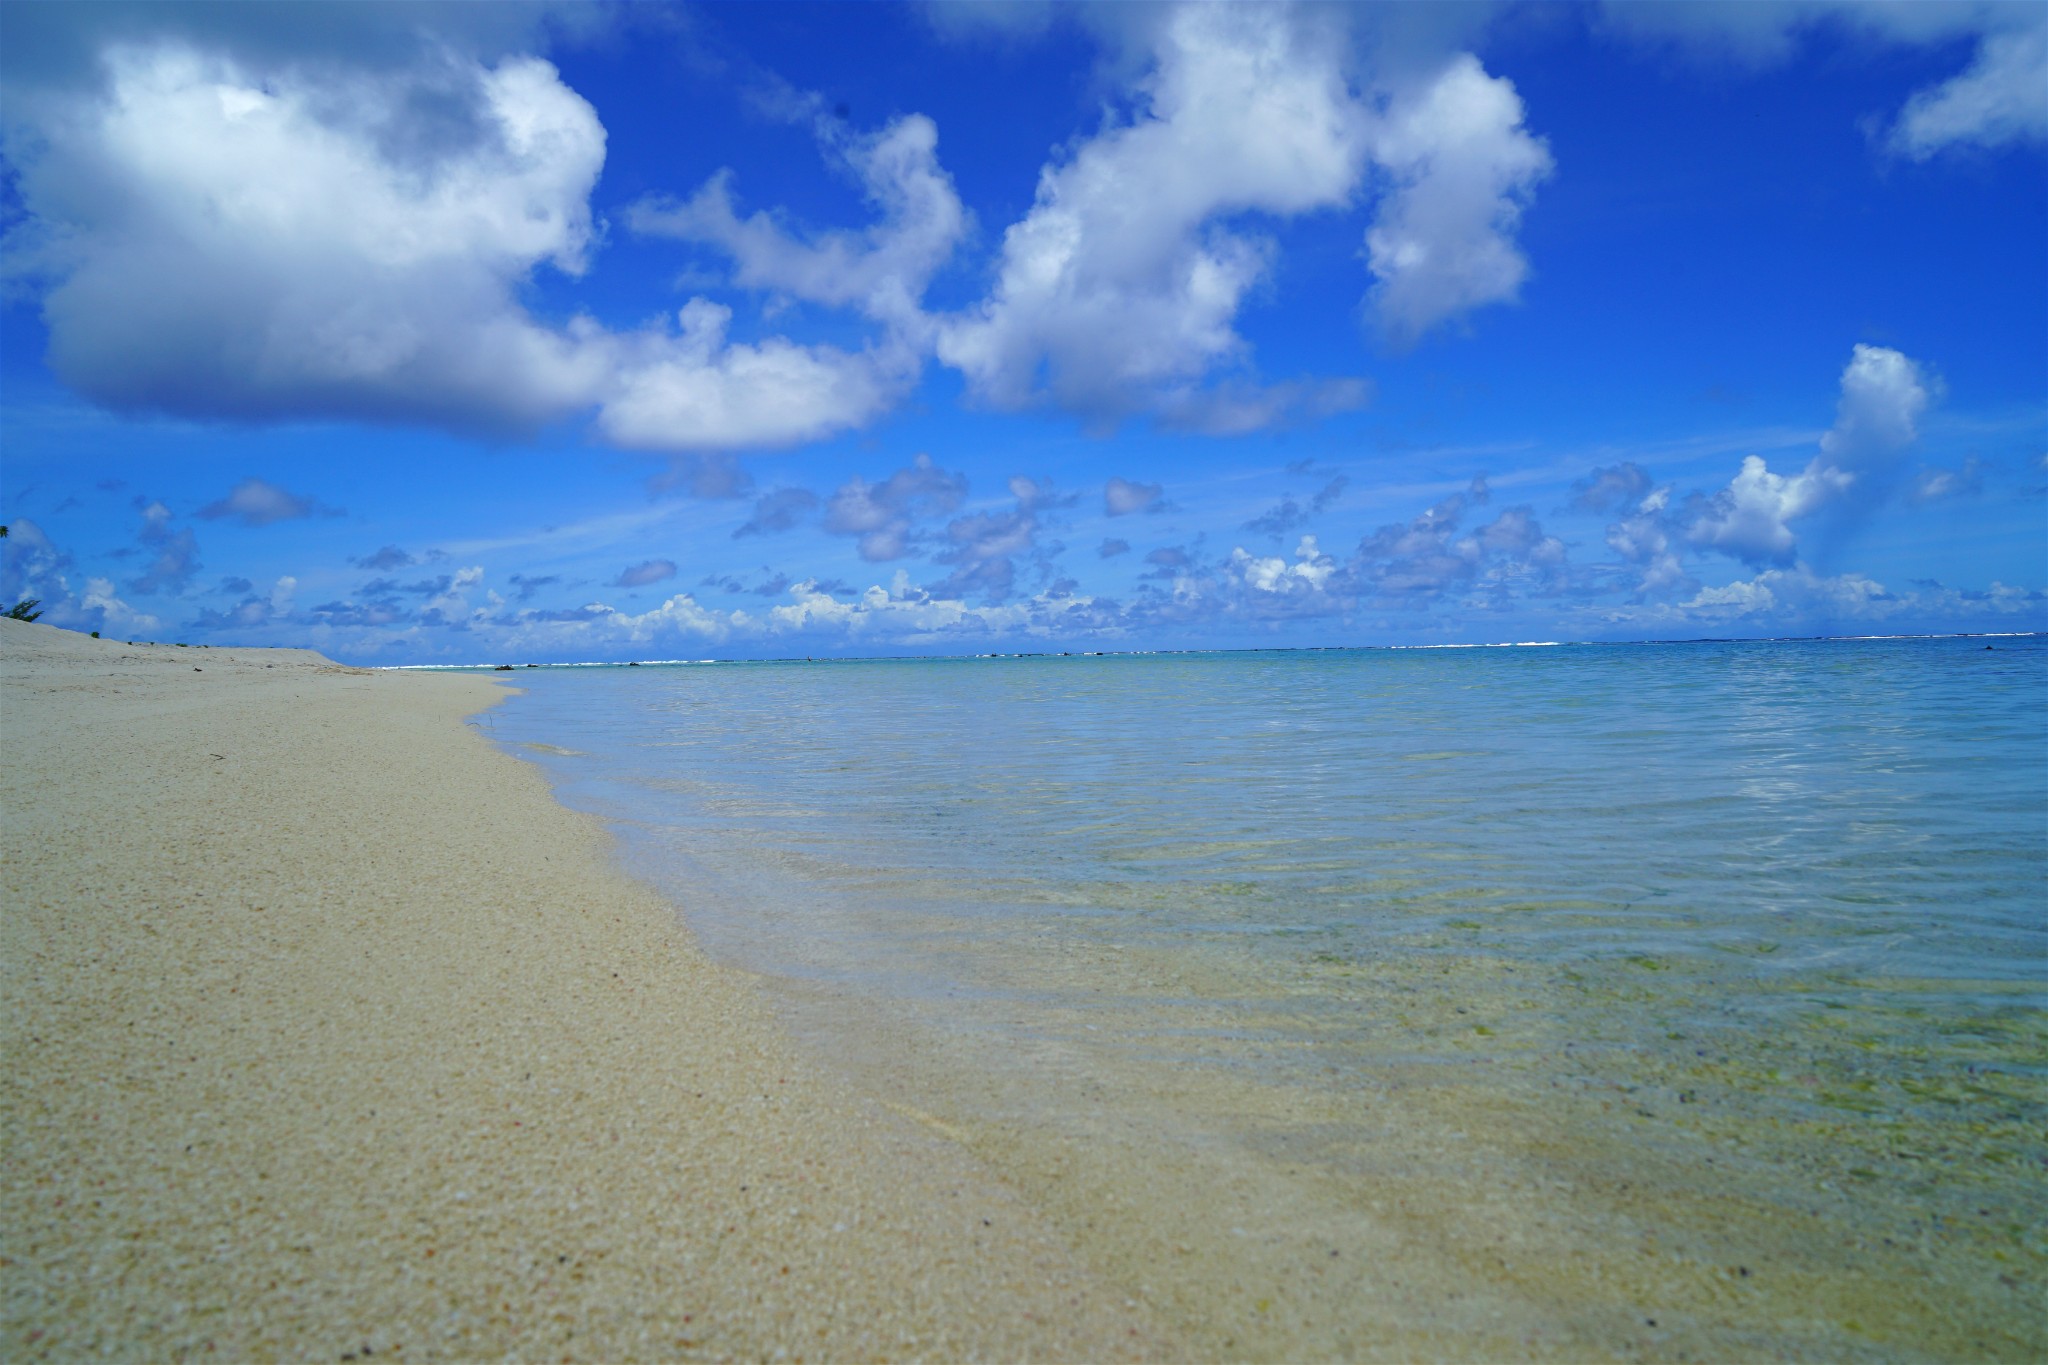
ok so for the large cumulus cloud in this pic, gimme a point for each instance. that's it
(273, 213)
(1120, 290)
(230, 242)
(1883, 394)
(262, 235)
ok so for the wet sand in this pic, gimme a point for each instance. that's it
(329, 1034)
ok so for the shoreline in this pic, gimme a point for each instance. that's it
(331, 1032)
(334, 1027)
(1344, 1147)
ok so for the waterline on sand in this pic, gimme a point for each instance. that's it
(1580, 999)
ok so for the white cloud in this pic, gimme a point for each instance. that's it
(1462, 169)
(101, 608)
(693, 390)
(909, 614)
(882, 270)
(60, 45)
(1797, 600)
(1748, 519)
(1119, 290)
(599, 627)
(229, 229)
(680, 614)
(1740, 598)
(1305, 583)
(2001, 98)
(1645, 538)
(227, 240)
(1245, 587)
(1883, 396)
(875, 610)
(265, 244)
(1794, 593)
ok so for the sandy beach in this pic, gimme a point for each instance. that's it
(329, 1034)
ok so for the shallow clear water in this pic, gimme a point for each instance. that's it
(1878, 807)
(1784, 900)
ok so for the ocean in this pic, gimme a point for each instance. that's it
(1660, 997)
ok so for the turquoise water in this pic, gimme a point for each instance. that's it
(1787, 898)
(1874, 807)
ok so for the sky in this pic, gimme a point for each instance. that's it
(423, 333)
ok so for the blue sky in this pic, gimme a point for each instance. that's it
(424, 333)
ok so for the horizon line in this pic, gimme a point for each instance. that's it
(1232, 649)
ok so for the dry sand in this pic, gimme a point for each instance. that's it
(328, 1034)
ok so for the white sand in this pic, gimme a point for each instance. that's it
(327, 1032)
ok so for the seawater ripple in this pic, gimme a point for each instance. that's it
(1877, 806)
(1668, 967)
